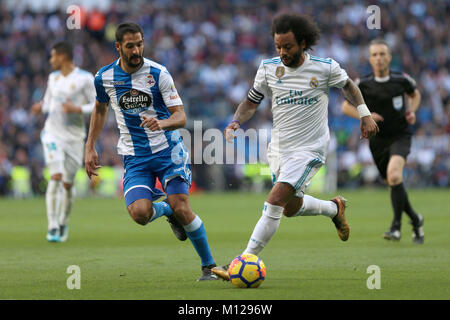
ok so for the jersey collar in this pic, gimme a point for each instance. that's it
(383, 79)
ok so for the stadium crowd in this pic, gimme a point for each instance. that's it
(212, 50)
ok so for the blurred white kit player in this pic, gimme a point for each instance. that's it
(69, 95)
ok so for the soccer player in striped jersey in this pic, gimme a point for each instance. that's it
(148, 112)
(70, 94)
(298, 84)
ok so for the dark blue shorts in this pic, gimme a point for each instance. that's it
(171, 166)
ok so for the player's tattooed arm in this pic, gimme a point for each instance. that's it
(352, 93)
(244, 112)
(98, 119)
(369, 128)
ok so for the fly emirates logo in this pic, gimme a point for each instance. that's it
(295, 97)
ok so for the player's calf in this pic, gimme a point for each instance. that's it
(181, 208)
(293, 207)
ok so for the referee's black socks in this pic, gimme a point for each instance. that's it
(400, 203)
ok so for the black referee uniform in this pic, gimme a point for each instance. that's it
(387, 98)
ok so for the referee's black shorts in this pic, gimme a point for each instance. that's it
(383, 148)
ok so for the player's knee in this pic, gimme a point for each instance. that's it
(394, 178)
(67, 186)
(56, 176)
(140, 211)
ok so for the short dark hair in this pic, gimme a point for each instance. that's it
(127, 27)
(379, 41)
(64, 47)
(302, 26)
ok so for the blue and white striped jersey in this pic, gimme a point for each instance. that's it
(149, 92)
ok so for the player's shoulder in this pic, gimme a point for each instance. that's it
(321, 65)
(401, 76)
(105, 68)
(369, 77)
(84, 73)
(321, 61)
(155, 65)
(54, 74)
(272, 61)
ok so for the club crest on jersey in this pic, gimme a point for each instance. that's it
(279, 72)
(314, 83)
(151, 81)
(397, 102)
(134, 101)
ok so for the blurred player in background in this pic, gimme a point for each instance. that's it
(148, 111)
(69, 95)
(298, 84)
(384, 92)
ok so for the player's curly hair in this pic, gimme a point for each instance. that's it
(303, 27)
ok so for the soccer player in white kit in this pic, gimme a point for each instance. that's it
(298, 84)
(69, 95)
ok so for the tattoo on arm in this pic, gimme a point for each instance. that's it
(352, 93)
(245, 111)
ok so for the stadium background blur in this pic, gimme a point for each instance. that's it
(212, 50)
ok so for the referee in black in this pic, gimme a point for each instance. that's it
(384, 92)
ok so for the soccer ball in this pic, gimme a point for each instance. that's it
(247, 271)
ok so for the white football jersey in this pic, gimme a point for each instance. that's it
(78, 87)
(299, 101)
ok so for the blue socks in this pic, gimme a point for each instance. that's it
(161, 209)
(197, 234)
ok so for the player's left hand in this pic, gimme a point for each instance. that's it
(410, 117)
(151, 123)
(69, 107)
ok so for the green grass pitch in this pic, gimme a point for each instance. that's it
(120, 259)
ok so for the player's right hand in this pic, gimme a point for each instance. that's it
(36, 108)
(91, 162)
(369, 127)
(229, 131)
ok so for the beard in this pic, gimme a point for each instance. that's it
(128, 60)
(292, 61)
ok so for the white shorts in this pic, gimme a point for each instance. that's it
(295, 168)
(62, 157)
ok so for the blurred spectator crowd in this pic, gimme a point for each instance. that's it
(213, 49)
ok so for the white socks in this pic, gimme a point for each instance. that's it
(314, 207)
(52, 202)
(59, 203)
(265, 228)
(68, 197)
